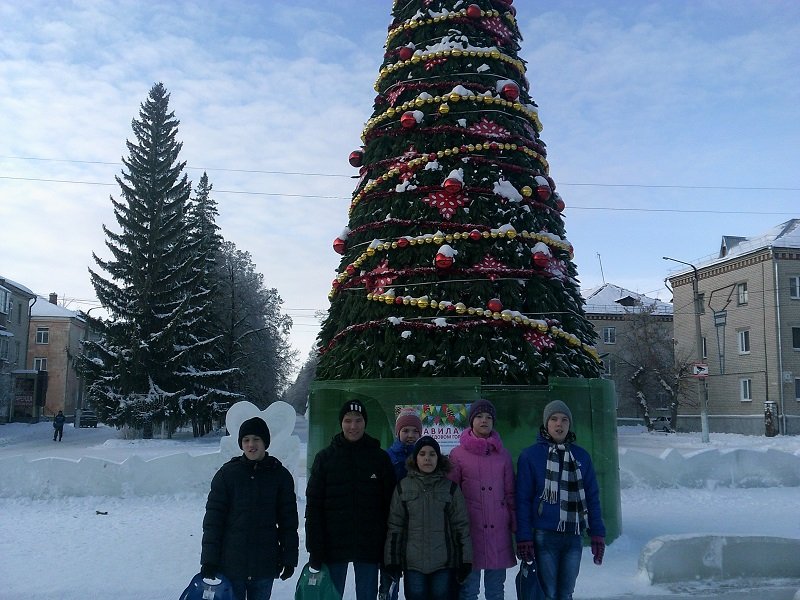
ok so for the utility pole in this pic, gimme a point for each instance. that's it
(701, 381)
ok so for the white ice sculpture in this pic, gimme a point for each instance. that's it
(280, 418)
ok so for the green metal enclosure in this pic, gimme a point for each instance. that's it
(519, 415)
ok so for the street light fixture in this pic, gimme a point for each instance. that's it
(702, 386)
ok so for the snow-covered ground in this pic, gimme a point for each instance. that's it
(98, 516)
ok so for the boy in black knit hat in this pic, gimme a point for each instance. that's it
(251, 502)
(347, 503)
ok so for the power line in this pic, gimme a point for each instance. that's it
(572, 207)
(304, 174)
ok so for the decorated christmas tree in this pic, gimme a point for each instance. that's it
(454, 258)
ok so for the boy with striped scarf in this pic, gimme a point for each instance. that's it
(557, 500)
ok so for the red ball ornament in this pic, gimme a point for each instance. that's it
(350, 269)
(408, 120)
(398, 300)
(475, 235)
(339, 245)
(494, 305)
(540, 259)
(452, 185)
(443, 261)
(336, 284)
(474, 11)
(510, 91)
(543, 192)
(405, 53)
(560, 205)
(402, 242)
(356, 158)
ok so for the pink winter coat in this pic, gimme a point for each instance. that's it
(483, 469)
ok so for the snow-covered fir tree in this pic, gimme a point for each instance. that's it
(253, 333)
(143, 368)
(454, 257)
(210, 396)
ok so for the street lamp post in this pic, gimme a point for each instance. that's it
(82, 382)
(702, 388)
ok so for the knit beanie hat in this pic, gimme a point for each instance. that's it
(481, 406)
(407, 420)
(426, 440)
(255, 426)
(556, 406)
(353, 406)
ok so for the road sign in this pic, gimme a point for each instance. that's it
(699, 370)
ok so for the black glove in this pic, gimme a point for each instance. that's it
(314, 562)
(393, 572)
(463, 571)
(525, 552)
(286, 573)
(209, 571)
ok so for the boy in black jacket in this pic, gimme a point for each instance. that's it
(250, 525)
(347, 504)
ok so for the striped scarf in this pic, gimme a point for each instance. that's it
(563, 484)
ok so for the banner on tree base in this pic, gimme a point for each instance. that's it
(443, 422)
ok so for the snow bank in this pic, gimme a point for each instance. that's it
(741, 467)
(668, 559)
(57, 477)
(175, 473)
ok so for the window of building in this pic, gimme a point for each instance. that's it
(701, 303)
(741, 293)
(797, 388)
(5, 300)
(42, 335)
(40, 364)
(705, 348)
(744, 341)
(796, 338)
(746, 390)
(609, 335)
(3, 348)
(794, 287)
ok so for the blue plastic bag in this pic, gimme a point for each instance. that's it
(208, 589)
(315, 586)
(527, 580)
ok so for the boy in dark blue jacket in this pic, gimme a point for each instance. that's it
(557, 500)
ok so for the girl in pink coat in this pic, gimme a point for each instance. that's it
(483, 469)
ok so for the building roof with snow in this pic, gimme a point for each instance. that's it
(19, 286)
(786, 235)
(612, 299)
(43, 308)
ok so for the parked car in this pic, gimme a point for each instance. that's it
(88, 418)
(663, 424)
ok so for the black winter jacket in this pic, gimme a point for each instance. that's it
(347, 501)
(250, 525)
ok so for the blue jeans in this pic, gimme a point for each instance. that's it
(430, 586)
(558, 558)
(252, 589)
(366, 578)
(493, 583)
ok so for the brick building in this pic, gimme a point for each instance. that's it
(749, 294)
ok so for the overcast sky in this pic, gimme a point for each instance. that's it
(669, 124)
